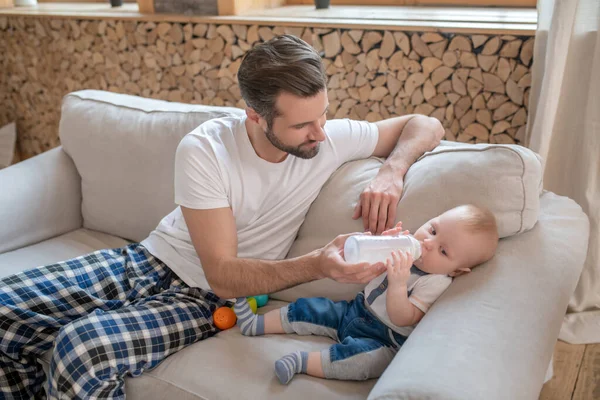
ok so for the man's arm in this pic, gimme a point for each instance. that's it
(214, 235)
(402, 140)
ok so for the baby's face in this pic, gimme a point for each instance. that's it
(447, 245)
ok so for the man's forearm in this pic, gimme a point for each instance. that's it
(240, 277)
(420, 134)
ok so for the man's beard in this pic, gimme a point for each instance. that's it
(300, 151)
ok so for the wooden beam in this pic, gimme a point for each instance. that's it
(225, 7)
(81, 1)
(472, 3)
(146, 6)
(239, 7)
(488, 21)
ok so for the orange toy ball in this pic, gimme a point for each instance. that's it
(224, 318)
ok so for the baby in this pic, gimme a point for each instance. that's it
(371, 328)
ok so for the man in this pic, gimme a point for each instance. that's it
(243, 186)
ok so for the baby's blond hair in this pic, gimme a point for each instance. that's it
(480, 220)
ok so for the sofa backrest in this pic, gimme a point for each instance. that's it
(506, 179)
(124, 149)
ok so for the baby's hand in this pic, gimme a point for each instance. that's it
(398, 269)
(395, 230)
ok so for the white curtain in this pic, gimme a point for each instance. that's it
(564, 128)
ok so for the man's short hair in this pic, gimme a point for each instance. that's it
(283, 64)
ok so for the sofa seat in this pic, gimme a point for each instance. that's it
(181, 376)
(232, 366)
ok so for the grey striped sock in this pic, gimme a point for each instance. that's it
(290, 365)
(250, 324)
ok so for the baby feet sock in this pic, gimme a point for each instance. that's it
(250, 324)
(290, 365)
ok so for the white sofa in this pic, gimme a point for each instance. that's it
(490, 336)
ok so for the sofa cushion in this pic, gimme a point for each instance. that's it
(507, 179)
(124, 149)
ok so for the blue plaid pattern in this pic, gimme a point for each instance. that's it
(108, 314)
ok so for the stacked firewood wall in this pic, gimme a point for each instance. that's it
(477, 85)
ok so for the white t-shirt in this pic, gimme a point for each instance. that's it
(216, 166)
(424, 291)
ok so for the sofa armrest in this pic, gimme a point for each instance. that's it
(492, 334)
(39, 198)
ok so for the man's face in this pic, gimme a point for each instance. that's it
(298, 129)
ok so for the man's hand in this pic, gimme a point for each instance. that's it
(332, 264)
(402, 140)
(378, 202)
(398, 269)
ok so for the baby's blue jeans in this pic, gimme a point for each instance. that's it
(365, 345)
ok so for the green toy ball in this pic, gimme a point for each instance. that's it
(261, 299)
(252, 303)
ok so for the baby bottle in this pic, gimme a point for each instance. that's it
(373, 249)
